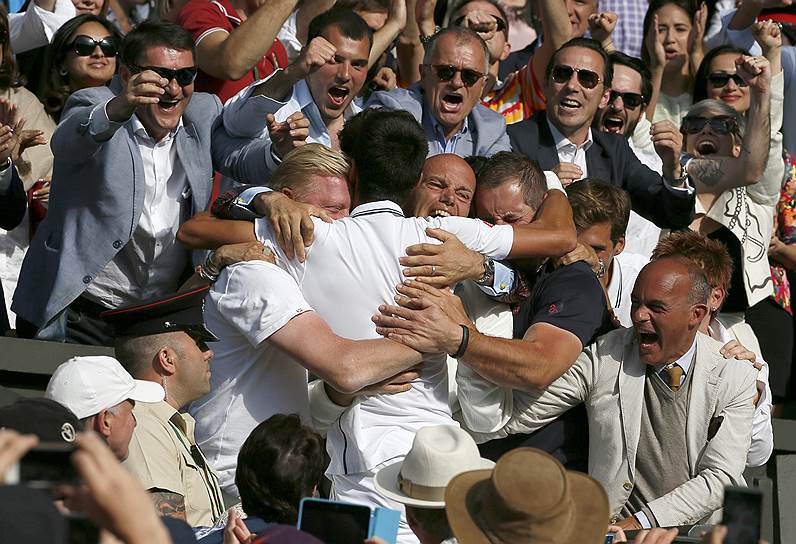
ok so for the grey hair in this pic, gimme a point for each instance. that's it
(463, 35)
(711, 107)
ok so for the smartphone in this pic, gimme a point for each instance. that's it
(742, 513)
(609, 538)
(46, 465)
(334, 522)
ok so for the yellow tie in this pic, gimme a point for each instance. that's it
(675, 376)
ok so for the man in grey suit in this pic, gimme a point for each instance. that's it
(132, 162)
(669, 418)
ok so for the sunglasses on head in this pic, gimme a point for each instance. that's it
(84, 46)
(630, 100)
(500, 23)
(721, 124)
(184, 76)
(721, 79)
(562, 73)
(446, 72)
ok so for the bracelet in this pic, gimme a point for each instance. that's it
(208, 270)
(463, 343)
(204, 274)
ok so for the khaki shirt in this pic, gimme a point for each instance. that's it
(164, 455)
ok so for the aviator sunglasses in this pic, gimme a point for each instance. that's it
(562, 73)
(184, 76)
(84, 46)
(721, 124)
(630, 100)
(446, 72)
(721, 79)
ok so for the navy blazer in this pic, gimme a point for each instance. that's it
(610, 159)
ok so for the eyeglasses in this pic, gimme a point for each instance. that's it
(630, 100)
(721, 124)
(499, 23)
(184, 76)
(446, 72)
(562, 73)
(721, 79)
(84, 46)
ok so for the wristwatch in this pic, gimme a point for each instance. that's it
(489, 273)
(425, 39)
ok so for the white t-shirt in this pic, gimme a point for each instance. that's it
(624, 271)
(251, 379)
(351, 268)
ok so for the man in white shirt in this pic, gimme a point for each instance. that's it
(352, 267)
(37, 25)
(140, 152)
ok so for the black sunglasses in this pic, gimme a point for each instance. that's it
(446, 72)
(184, 76)
(84, 46)
(562, 73)
(721, 79)
(630, 100)
(500, 23)
(721, 124)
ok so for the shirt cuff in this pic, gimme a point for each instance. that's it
(687, 187)
(247, 197)
(553, 182)
(503, 282)
(324, 412)
(100, 126)
(643, 520)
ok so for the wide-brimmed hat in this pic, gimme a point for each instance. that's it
(438, 453)
(527, 498)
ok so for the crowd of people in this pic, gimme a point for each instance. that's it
(516, 269)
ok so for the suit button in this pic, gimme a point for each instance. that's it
(628, 486)
(86, 279)
(117, 244)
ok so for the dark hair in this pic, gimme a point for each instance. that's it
(508, 166)
(701, 78)
(389, 148)
(689, 6)
(476, 162)
(587, 43)
(155, 34)
(280, 463)
(595, 201)
(617, 57)
(55, 85)
(433, 521)
(348, 22)
(9, 75)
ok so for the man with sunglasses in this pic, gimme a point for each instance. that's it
(164, 341)
(578, 82)
(446, 100)
(140, 152)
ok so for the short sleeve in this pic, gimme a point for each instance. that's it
(200, 18)
(571, 299)
(257, 299)
(153, 458)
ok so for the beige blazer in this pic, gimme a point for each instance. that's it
(609, 377)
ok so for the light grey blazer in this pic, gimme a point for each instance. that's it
(609, 378)
(97, 198)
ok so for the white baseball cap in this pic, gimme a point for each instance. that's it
(88, 385)
(438, 453)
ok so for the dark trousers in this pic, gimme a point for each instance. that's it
(83, 325)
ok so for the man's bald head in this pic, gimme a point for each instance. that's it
(445, 188)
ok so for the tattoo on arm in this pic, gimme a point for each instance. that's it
(168, 503)
(707, 171)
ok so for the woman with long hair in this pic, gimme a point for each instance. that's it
(83, 54)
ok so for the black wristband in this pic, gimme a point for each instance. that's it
(463, 343)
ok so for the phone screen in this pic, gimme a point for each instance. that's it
(47, 464)
(334, 522)
(742, 512)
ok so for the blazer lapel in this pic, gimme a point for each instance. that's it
(189, 153)
(631, 399)
(597, 161)
(702, 400)
(546, 151)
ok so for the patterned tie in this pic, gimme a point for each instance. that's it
(675, 376)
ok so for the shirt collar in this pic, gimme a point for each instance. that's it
(683, 362)
(439, 132)
(562, 141)
(380, 206)
(140, 131)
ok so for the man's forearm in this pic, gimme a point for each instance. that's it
(745, 15)
(551, 234)
(506, 362)
(279, 86)
(557, 30)
(360, 363)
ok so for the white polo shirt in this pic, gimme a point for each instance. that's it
(351, 268)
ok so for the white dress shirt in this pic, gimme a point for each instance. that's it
(351, 268)
(35, 27)
(569, 152)
(151, 263)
